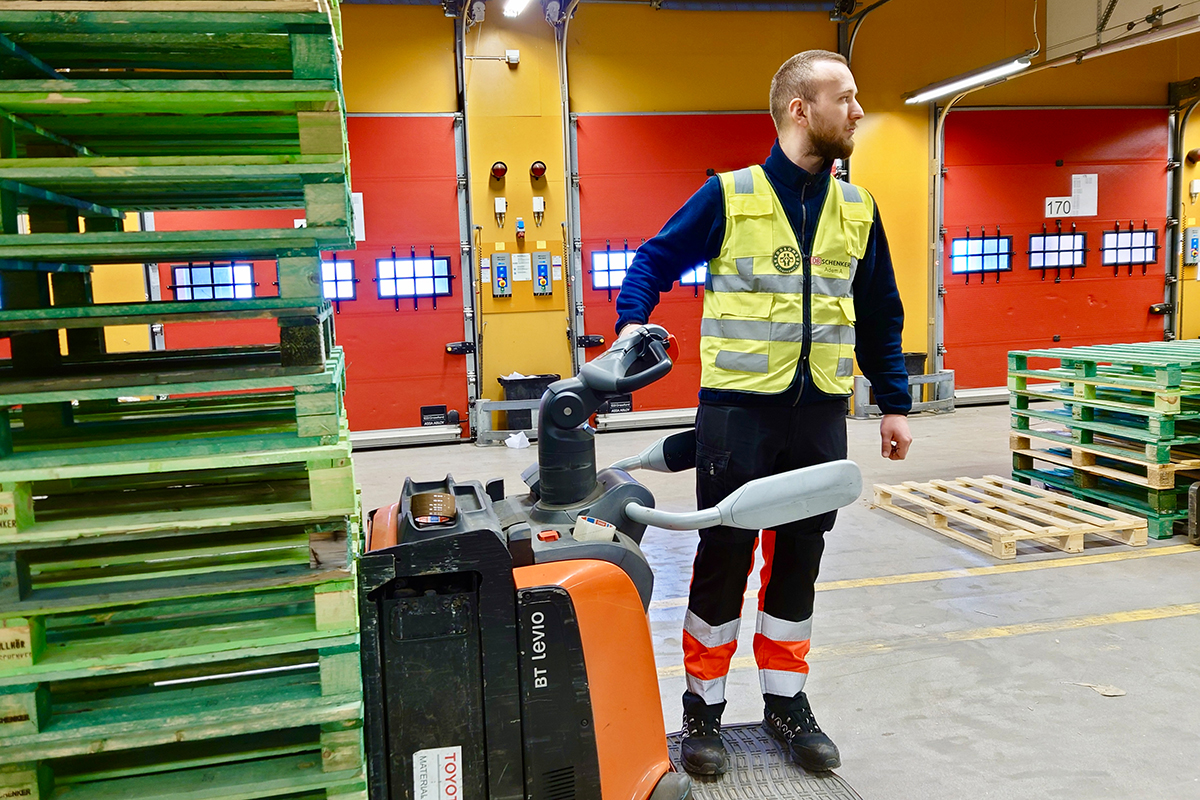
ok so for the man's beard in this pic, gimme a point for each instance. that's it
(825, 143)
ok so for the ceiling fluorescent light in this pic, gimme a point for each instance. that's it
(979, 77)
(1169, 31)
(513, 8)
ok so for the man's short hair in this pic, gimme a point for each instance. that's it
(796, 79)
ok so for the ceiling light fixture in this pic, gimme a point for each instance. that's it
(992, 73)
(513, 8)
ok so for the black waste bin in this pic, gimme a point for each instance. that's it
(530, 387)
(914, 363)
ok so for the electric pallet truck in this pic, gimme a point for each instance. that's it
(506, 650)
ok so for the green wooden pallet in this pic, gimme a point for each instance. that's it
(186, 495)
(305, 338)
(36, 580)
(176, 118)
(106, 376)
(296, 248)
(100, 315)
(1158, 381)
(1153, 440)
(172, 41)
(1161, 519)
(218, 18)
(55, 719)
(1166, 360)
(183, 182)
(134, 638)
(310, 761)
(65, 455)
(1157, 465)
(101, 426)
(1151, 405)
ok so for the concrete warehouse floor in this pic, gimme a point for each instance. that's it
(954, 685)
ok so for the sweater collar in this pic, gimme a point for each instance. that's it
(786, 173)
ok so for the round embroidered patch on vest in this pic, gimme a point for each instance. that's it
(786, 259)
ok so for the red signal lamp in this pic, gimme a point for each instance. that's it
(499, 170)
(537, 169)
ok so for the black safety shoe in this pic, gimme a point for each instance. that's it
(798, 729)
(702, 751)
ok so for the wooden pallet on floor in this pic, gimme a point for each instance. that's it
(993, 514)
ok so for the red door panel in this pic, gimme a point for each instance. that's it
(634, 172)
(405, 169)
(1001, 165)
(395, 352)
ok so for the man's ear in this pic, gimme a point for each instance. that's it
(798, 111)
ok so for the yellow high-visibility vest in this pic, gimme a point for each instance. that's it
(752, 333)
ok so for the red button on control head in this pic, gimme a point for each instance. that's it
(548, 536)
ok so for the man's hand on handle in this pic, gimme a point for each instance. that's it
(630, 329)
(893, 430)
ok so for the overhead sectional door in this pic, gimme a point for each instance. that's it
(1054, 227)
(395, 343)
(635, 171)
(405, 169)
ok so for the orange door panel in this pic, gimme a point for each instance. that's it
(635, 171)
(1001, 166)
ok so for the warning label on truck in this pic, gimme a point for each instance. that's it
(437, 774)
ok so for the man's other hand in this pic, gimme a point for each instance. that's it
(893, 429)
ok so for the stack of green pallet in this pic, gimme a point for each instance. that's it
(1117, 423)
(178, 528)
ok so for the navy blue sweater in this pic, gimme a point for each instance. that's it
(695, 235)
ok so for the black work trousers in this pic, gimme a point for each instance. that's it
(734, 445)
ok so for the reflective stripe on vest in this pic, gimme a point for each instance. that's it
(753, 330)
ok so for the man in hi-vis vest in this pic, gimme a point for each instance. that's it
(799, 283)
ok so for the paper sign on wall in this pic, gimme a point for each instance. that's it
(1082, 202)
(1085, 194)
(522, 267)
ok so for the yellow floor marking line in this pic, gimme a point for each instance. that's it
(972, 635)
(973, 572)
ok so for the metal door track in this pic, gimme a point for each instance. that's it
(760, 769)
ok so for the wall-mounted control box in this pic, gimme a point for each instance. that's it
(501, 275)
(1191, 246)
(542, 285)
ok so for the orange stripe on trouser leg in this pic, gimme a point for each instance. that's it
(764, 577)
(706, 663)
(783, 656)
